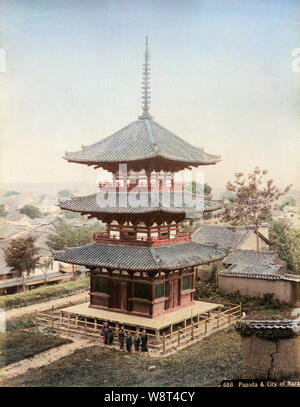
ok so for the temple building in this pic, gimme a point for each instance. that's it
(143, 264)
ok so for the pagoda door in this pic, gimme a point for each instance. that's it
(119, 299)
(174, 293)
(116, 297)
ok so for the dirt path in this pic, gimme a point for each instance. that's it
(44, 358)
(42, 306)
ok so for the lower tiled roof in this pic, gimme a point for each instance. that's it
(168, 257)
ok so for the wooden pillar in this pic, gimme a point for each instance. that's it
(95, 324)
(179, 287)
(193, 282)
(148, 174)
(172, 182)
(35, 318)
(178, 338)
(108, 228)
(152, 295)
(205, 325)
(164, 343)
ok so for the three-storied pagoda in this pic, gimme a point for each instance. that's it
(143, 264)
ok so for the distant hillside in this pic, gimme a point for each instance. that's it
(81, 188)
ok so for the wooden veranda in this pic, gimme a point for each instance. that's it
(172, 336)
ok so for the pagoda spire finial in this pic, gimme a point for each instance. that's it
(146, 85)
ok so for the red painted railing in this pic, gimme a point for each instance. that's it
(103, 237)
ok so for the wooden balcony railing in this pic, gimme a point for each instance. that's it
(104, 237)
(110, 186)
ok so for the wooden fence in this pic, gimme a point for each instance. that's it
(161, 341)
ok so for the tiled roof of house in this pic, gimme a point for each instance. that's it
(265, 265)
(143, 202)
(142, 139)
(137, 258)
(223, 236)
(252, 257)
(273, 324)
(261, 272)
(18, 282)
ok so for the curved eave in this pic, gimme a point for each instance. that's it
(83, 206)
(134, 258)
(100, 164)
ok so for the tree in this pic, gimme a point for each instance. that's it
(3, 212)
(10, 193)
(289, 201)
(286, 241)
(72, 215)
(195, 187)
(64, 193)
(255, 198)
(44, 266)
(31, 211)
(22, 256)
(227, 195)
(68, 236)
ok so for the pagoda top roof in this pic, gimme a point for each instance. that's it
(136, 258)
(142, 140)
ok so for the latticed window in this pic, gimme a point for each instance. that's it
(159, 290)
(101, 285)
(141, 291)
(187, 283)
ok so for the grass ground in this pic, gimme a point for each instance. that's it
(18, 344)
(206, 363)
(203, 364)
(44, 293)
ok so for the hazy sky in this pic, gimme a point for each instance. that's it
(221, 79)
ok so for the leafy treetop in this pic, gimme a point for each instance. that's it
(31, 211)
(68, 235)
(22, 255)
(253, 200)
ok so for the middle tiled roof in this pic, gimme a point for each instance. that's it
(144, 202)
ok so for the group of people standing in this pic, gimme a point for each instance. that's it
(129, 338)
